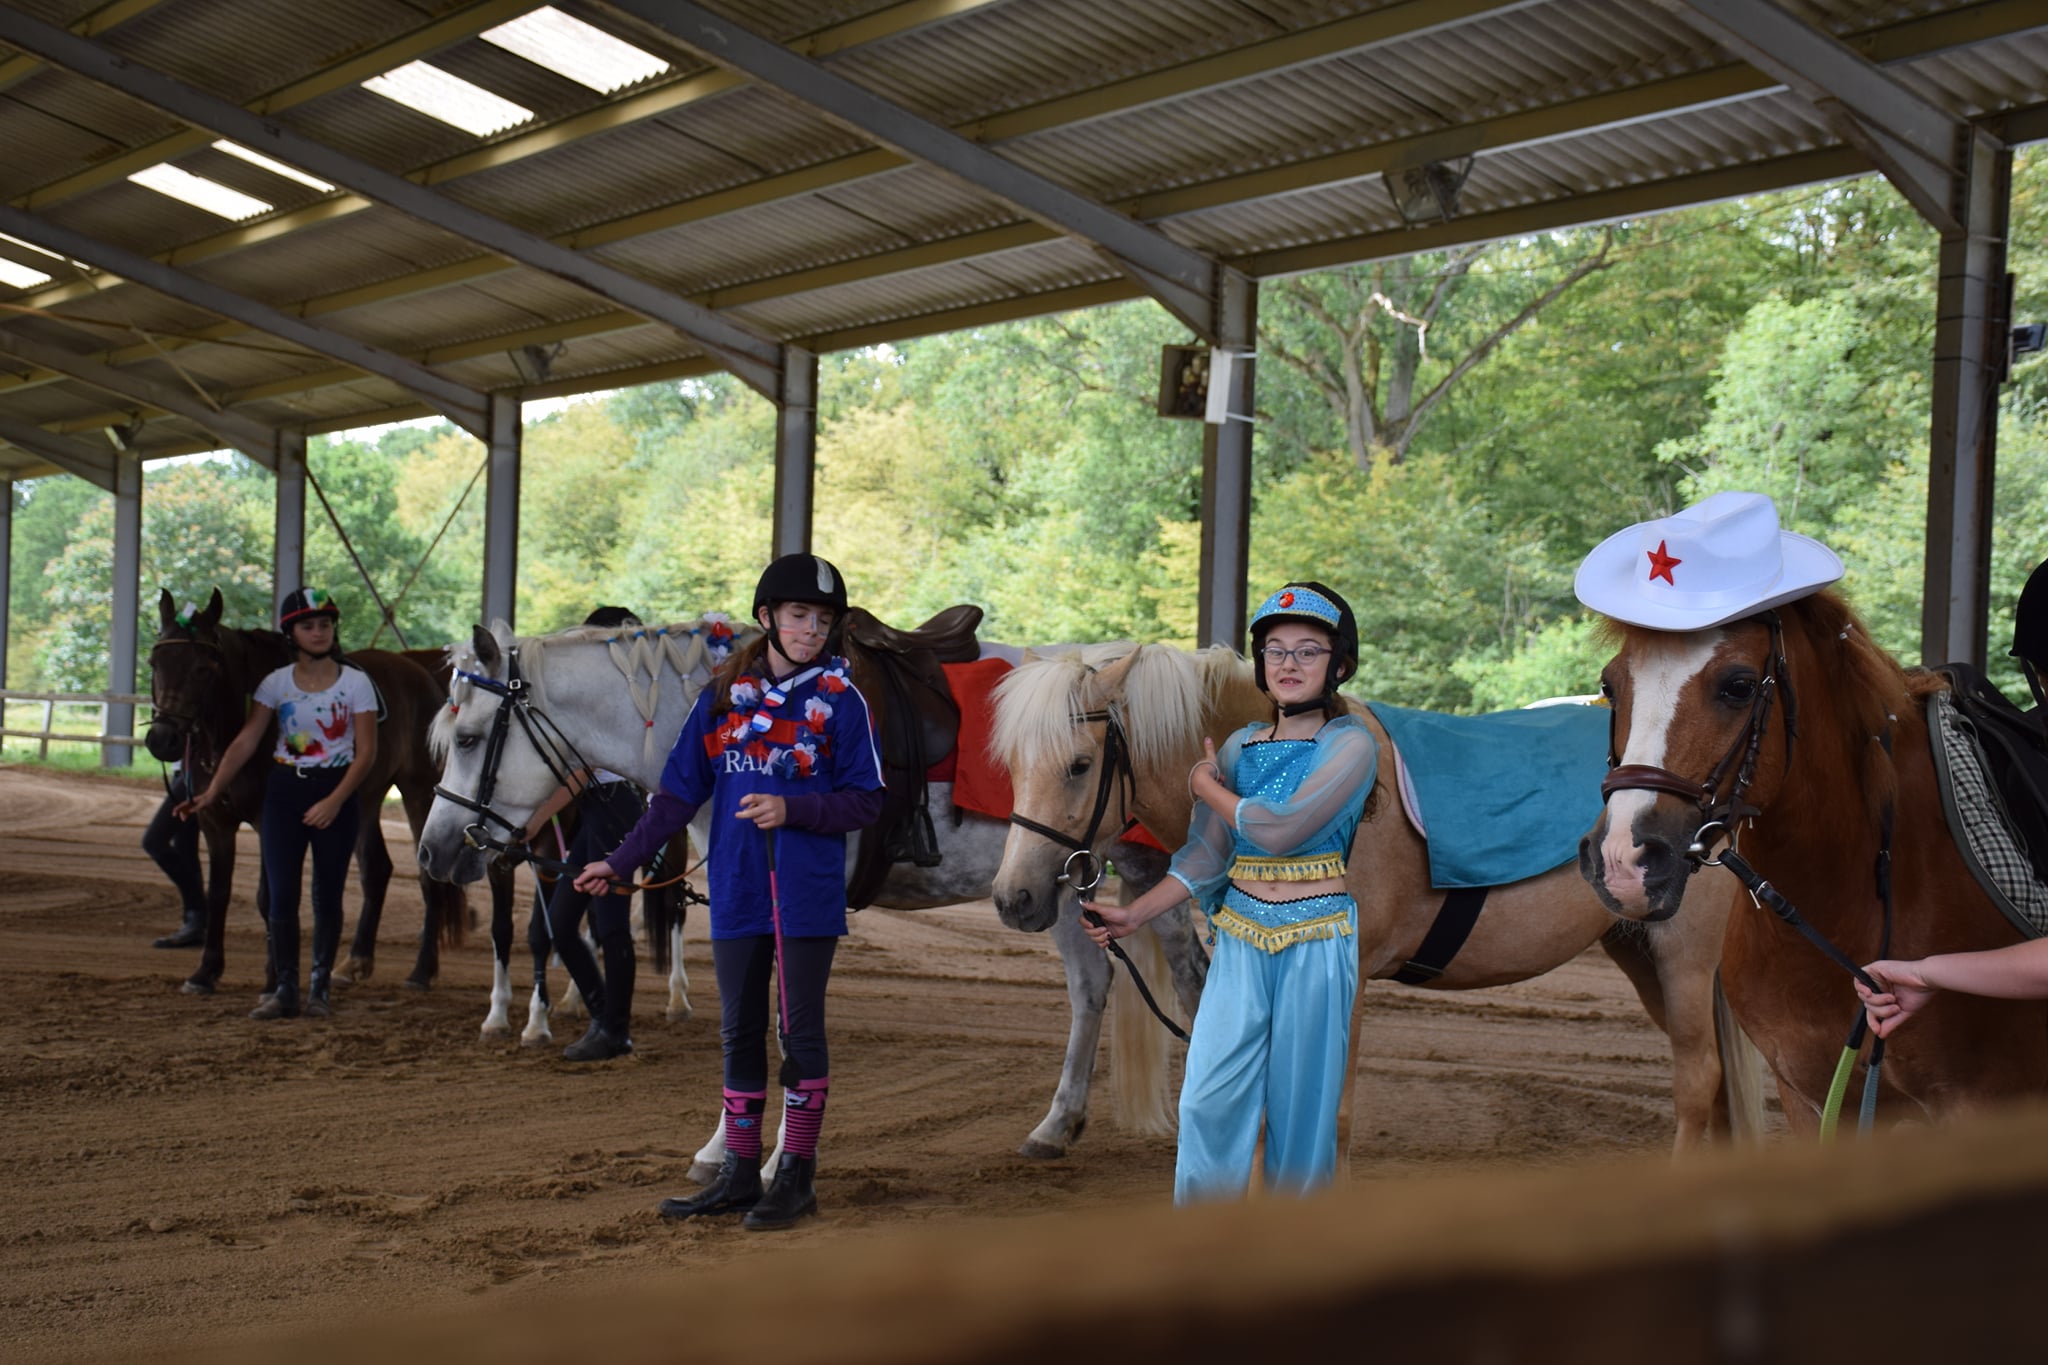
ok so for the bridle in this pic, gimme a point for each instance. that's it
(1082, 872)
(555, 748)
(1719, 816)
(185, 722)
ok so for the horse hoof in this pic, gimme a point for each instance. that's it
(703, 1173)
(496, 1033)
(678, 1016)
(358, 970)
(196, 986)
(1041, 1151)
(419, 983)
(536, 1039)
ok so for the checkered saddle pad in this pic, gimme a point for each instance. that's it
(1985, 832)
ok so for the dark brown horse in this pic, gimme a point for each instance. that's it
(201, 677)
(1697, 712)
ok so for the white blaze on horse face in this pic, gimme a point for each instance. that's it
(1658, 671)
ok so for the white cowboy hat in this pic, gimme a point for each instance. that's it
(1719, 560)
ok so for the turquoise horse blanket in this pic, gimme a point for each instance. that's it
(1500, 797)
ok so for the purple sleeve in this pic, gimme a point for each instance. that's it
(666, 814)
(834, 812)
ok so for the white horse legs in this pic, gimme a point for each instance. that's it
(1087, 995)
(678, 978)
(498, 1022)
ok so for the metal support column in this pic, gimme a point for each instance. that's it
(6, 564)
(1227, 473)
(501, 510)
(796, 452)
(127, 592)
(1969, 361)
(289, 539)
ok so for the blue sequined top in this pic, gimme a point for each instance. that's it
(1297, 798)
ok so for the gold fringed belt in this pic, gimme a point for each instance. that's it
(1272, 938)
(1314, 868)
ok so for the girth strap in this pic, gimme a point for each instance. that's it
(1453, 925)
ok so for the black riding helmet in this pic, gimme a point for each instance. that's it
(612, 618)
(1313, 604)
(2030, 618)
(300, 603)
(803, 578)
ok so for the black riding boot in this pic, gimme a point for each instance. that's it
(737, 1186)
(598, 1044)
(789, 1197)
(317, 1006)
(190, 934)
(283, 1003)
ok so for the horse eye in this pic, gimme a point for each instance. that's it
(1606, 689)
(465, 742)
(1079, 766)
(1739, 691)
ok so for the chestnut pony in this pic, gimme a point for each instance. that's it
(1796, 732)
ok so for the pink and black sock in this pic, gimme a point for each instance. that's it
(743, 1122)
(802, 1115)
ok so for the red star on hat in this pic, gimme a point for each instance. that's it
(1661, 565)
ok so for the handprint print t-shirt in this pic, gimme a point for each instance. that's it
(317, 729)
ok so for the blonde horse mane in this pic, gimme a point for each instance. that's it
(641, 654)
(1163, 704)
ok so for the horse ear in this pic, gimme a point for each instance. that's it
(166, 609)
(486, 646)
(1110, 679)
(210, 618)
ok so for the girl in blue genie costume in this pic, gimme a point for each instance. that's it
(1265, 855)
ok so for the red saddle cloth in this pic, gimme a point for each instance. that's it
(981, 784)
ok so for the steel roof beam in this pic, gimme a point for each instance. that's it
(252, 438)
(1917, 144)
(904, 17)
(1189, 283)
(1893, 43)
(462, 405)
(466, 23)
(89, 461)
(754, 357)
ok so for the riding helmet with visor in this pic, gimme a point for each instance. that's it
(1310, 603)
(811, 579)
(301, 603)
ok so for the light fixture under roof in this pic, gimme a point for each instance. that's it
(200, 192)
(15, 275)
(569, 47)
(431, 91)
(274, 167)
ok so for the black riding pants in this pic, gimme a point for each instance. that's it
(747, 1000)
(173, 845)
(604, 815)
(286, 837)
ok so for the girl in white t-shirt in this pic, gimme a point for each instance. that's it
(326, 744)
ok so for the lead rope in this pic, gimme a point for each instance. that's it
(1769, 897)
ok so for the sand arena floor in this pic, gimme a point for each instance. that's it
(177, 1175)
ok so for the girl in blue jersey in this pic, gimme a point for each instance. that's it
(779, 746)
(326, 713)
(1271, 832)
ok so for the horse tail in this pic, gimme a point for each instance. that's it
(1741, 1073)
(1138, 1045)
(667, 909)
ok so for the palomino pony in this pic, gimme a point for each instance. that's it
(1796, 733)
(619, 703)
(201, 677)
(1058, 719)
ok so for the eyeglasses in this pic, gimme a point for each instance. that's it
(1305, 655)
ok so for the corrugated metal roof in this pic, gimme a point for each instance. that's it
(1255, 140)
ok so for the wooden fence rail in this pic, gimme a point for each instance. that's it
(50, 701)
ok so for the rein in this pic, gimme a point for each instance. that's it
(563, 762)
(1720, 817)
(1118, 779)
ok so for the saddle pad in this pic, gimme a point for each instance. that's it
(1977, 822)
(1505, 796)
(980, 784)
